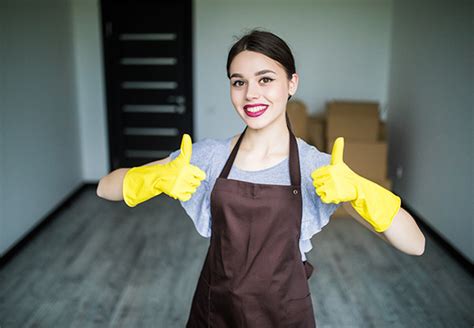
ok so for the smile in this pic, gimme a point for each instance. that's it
(255, 110)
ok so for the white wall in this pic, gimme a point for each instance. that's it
(341, 50)
(40, 162)
(3, 241)
(90, 89)
(430, 117)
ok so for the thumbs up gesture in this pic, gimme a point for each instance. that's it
(178, 178)
(337, 183)
(334, 183)
(181, 178)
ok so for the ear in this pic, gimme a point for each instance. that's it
(293, 84)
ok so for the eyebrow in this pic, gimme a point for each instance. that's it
(265, 71)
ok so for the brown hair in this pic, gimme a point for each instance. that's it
(267, 44)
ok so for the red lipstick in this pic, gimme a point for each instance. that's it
(252, 113)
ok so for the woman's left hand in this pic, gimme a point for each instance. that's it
(337, 183)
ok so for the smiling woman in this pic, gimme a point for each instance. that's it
(253, 91)
(260, 195)
(273, 85)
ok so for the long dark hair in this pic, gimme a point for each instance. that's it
(267, 44)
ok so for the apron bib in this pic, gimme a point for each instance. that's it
(253, 275)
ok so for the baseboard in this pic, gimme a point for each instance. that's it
(10, 253)
(456, 254)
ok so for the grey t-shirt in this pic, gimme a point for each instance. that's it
(210, 156)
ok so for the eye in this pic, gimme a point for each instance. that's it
(266, 80)
(237, 83)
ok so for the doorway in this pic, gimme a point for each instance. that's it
(147, 49)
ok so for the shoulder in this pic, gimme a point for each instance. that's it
(213, 145)
(205, 149)
(310, 156)
(207, 144)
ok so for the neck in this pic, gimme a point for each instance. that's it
(274, 138)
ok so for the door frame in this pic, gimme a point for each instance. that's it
(114, 137)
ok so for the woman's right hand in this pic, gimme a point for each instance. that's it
(178, 179)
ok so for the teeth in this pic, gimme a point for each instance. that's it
(256, 109)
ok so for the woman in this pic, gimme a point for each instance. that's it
(260, 196)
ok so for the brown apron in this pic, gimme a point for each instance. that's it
(253, 275)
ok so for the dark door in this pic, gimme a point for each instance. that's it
(148, 70)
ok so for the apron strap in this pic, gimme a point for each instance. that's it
(294, 162)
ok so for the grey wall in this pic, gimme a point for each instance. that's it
(40, 163)
(430, 114)
(341, 49)
(90, 89)
(3, 242)
(49, 144)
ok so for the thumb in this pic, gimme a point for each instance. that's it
(186, 148)
(337, 151)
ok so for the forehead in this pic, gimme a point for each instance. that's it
(249, 62)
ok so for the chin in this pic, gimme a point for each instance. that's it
(254, 126)
(258, 124)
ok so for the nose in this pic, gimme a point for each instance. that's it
(253, 91)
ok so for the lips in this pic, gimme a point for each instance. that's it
(255, 110)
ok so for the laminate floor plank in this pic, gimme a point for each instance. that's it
(102, 264)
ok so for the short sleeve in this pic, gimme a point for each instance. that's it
(316, 213)
(198, 207)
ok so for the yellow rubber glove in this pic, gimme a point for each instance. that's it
(337, 183)
(178, 178)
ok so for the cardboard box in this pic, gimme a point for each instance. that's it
(316, 125)
(341, 212)
(383, 133)
(365, 140)
(298, 115)
(352, 120)
(368, 159)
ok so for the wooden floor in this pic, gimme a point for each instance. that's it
(102, 264)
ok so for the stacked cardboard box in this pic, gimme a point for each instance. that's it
(298, 115)
(316, 131)
(365, 137)
(365, 143)
(309, 128)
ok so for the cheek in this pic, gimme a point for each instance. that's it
(279, 92)
(233, 96)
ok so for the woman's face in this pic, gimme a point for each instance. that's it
(259, 88)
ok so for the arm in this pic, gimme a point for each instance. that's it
(375, 207)
(177, 178)
(403, 234)
(110, 186)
